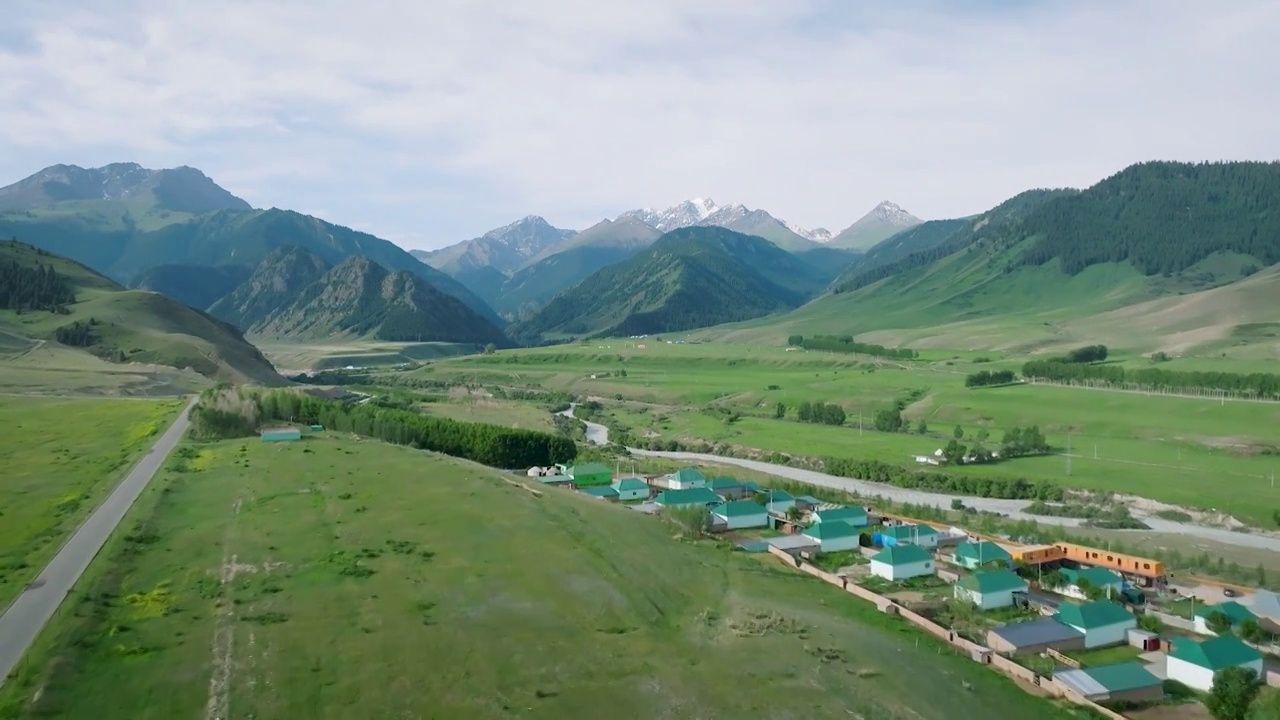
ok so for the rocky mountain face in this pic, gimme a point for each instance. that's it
(182, 189)
(504, 249)
(884, 221)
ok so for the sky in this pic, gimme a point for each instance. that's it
(428, 123)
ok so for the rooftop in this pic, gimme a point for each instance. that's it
(1234, 611)
(1036, 632)
(780, 496)
(900, 555)
(831, 531)
(590, 469)
(792, 542)
(909, 532)
(809, 500)
(856, 514)
(1266, 604)
(1216, 653)
(1105, 679)
(993, 581)
(1097, 576)
(740, 508)
(724, 483)
(685, 475)
(1093, 615)
(691, 496)
(600, 491)
(630, 483)
(982, 552)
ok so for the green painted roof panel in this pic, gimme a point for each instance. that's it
(993, 581)
(1090, 616)
(831, 531)
(1122, 677)
(1216, 653)
(900, 555)
(741, 508)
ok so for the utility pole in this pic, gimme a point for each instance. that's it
(1068, 454)
(859, 423)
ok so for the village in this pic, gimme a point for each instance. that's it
(1101, 628)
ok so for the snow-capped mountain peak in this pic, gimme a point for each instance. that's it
(819, 235)
(893, 214)
(689, 212)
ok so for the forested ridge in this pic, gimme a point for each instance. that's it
(38, 287)
(846, 344)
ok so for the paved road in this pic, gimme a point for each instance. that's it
(23, 620)
(599, 435)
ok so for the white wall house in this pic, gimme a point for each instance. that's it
(1194, 663)
(834, 536)
(1103, 622)
(686, 479)
(902, 562)
(990, 589)
(741, 514)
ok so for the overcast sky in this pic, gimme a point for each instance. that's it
(431, 121)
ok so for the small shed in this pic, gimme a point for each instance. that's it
(990, 589)
(973, 555)
(1231, 610)
(855, 516)
(1034, 636)
(833, 536)
(899, 563)
(631, 488)
(1194, 663)
(590, 474)
(921, 535)
(601, 492)
(1144, 640)
(692, 497)
(1108, 581)
(281, 434)
(740, 514)
(1103, 622)
(1122, 682)
(685, 479)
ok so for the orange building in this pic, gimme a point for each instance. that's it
(1146, 568)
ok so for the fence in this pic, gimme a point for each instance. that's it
(1172, 621)
(1069, 662)
(976, 652)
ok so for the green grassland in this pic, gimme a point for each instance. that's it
(491, 411)
(60, 457)
(292, 357)
(336, 578)
(1195, 452)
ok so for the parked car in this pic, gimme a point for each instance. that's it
(1228, 592)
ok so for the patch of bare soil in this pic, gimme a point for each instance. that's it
(1185, 711)
(1146, 507)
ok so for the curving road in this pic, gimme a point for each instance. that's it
(599, 435)
(22, 621)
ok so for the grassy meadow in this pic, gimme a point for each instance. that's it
(1195, 452)
(61, 456)
(336, 578)
(304, 356)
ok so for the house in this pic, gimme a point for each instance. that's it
(794, 544)
(1194, 663)
(631, 488)
(1107, 581)
(808, 502)
(921, 535)
(281, 434)
(601, 492)
(741, 514)
(779, 501)
(990, 589)
(1232, 610)
(1103, 622)
(834, 536)
(973, 555)
(1266, 605)
(1129, 682)
(590, 474)
(534, 471)
(693, 497)
(752, 488)
(854, 516)
(899, 563)
(728, 488)
(1034, 636)
(686, 479)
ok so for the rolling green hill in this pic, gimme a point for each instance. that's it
(90, 313)
(688, 278)
(1032, 271)
(295, 295)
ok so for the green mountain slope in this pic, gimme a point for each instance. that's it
(196, 286)
(295, 295)
(120, 325)
(1028, 271)
(689, 278)
(525, 292)
(625, 233)
(896, 247)
(486, 282)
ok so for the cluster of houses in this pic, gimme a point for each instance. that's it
(1089, 606)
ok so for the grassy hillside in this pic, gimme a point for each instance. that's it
(311, 586)
(134, 326)
(689, 278)
(525, 292)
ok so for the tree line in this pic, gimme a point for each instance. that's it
(821, 413)
(78, 334)
(24, 288)
(491, 445)
(974, 485)
(989, 377)
(1260, 384)
(846, 344)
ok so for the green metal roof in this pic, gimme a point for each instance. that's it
(1097, 576)
(602, 491)
(589, 469)
(1214, 654)
(993, 581)
(554, 479)
(1122, 676)
(809, 499)
(982, 552)
(630, 483)
(909, 532)
(852, 515)
(780, 496)
(685, 475)
(1089, 616)
(831, 531)
(691, 496)
(752, 486)
(1234, 611)
(741, 508)
(901, 555)
(724, 483)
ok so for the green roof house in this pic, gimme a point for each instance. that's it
(590, 474)
(808, 502)
(728, 488)
(974, 555)
(990, 589)
(1194, 663)
(1122, 682)
(693, 497)
(779, 501)
(601, 492)
(901, 562)
(741, 514)
(834, 536)
(631, 488)
(685, 479)
(1108, 581)
(922, 535)
(1232, 610)
(1103, 622)
(854, 516)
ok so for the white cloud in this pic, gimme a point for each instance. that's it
(432, 122)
